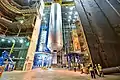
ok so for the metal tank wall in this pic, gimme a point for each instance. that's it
(55, 38)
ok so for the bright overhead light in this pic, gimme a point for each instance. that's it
(27, 44)
(21, 41)
(76, 13)
(13, 41)
(44, 18)
(69, 17)
(70, 12)
(45, 21)
(75, 16)
(65, 13)
(2, 40)
(43, 14)
(73, 20)
(71, 8)
(68, 20)
(9, 41)
(21, 21)
(64, 18)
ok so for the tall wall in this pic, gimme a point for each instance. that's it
(98, 20)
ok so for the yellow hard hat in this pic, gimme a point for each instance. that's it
(98, 64)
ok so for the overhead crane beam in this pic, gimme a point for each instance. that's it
(67, 3)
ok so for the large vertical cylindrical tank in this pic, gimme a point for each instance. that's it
(55, 38)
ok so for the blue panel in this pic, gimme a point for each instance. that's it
(5, 55)
(41, 60)
(45, 29)
(38, 42)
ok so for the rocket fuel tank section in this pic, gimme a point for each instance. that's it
(55, 39)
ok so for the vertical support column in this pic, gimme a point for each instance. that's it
(54, 59)
(31, 51)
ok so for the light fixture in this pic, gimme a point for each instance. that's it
(69, 17)
(45, 21)
(27, 44)
(71, 8)
(43, 14)
(21, 41)
(65, 13)
(2, 40)
(25, 41)
(75, 16)
(44, 18)
(13, 41)
(21, 58)
(70, 12)
(21, 21)
(68, 20)
(76, 13)
(73, 20)
(9, 41)
(13, 56)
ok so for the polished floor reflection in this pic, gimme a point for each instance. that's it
(55, 74)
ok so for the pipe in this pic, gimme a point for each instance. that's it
(111, 70)
(6, 29)
(14, 42)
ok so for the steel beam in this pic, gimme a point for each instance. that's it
(68, 3)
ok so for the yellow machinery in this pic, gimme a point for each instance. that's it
(66, 3)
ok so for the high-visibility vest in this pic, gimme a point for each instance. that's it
(99, 68)
(91, 69)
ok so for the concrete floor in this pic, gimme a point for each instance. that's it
(39, 74)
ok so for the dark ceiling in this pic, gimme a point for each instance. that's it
(14, 18)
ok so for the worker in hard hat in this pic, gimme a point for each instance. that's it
(92, 71)
(96, 70)
(100, 70)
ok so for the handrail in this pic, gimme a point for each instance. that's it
(16, 10)
(18, 5)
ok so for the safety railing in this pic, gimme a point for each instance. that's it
(14, 9)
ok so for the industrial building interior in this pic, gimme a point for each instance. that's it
(90, 33)
(18, 27)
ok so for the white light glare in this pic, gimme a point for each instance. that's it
(71, 8)
(21, 41)
(75, 16)
(44, 18)
(69, 17)
(68, 20)
(13, 41)
(50, 69)
(2, 40)
(8, 41)
(65, 13)
(70, 13)
(76, 13)
(43, 14)
(45, 21)
(73, 20)
(21, 21)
